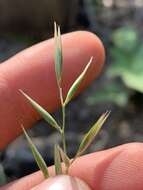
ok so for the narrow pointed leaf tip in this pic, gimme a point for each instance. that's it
(57, 159)
(41, 111)
(38, 158)
(89, 137)
(58, 53)
(76, 84)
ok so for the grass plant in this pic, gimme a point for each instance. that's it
(60, 153)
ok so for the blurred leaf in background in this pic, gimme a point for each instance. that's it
(127, 65)
(127, 54)
(125, 38)
(114, 92)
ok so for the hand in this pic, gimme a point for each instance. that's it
(32, 70)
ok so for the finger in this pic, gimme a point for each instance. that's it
(62, 182)
(33, 71)
(120, 168)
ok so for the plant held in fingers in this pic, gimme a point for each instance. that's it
(60, 153)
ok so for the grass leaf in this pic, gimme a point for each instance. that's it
(57, 159)
(40, 162)
(89, 137)
(76, 84)
(64, 157)
(42, 111)
(58, 53)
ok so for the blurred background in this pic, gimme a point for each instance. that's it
(119, 89)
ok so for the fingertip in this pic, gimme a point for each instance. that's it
(117, 168)
(62, 182)
(126, 170)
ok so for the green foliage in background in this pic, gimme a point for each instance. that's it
(2, 176)
(128, 58)
(127, 65)
(96, 2)
(113, 92)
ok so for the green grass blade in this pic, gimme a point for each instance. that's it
(40, 162)
(64, 157)
(76, 84)
(89, 137)
(57, 159)
(58, 53)
(42, 111)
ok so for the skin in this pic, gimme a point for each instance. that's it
(32, 70)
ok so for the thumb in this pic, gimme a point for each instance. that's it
(62, 182)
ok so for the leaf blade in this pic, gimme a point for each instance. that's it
(76, 84)
(41, 111)
(57, 161)
(91, 134)
(38, 158)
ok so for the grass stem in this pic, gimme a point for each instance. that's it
(63, 119)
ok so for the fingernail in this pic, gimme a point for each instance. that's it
(62, 182)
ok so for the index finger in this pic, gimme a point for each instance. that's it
(33, 71)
